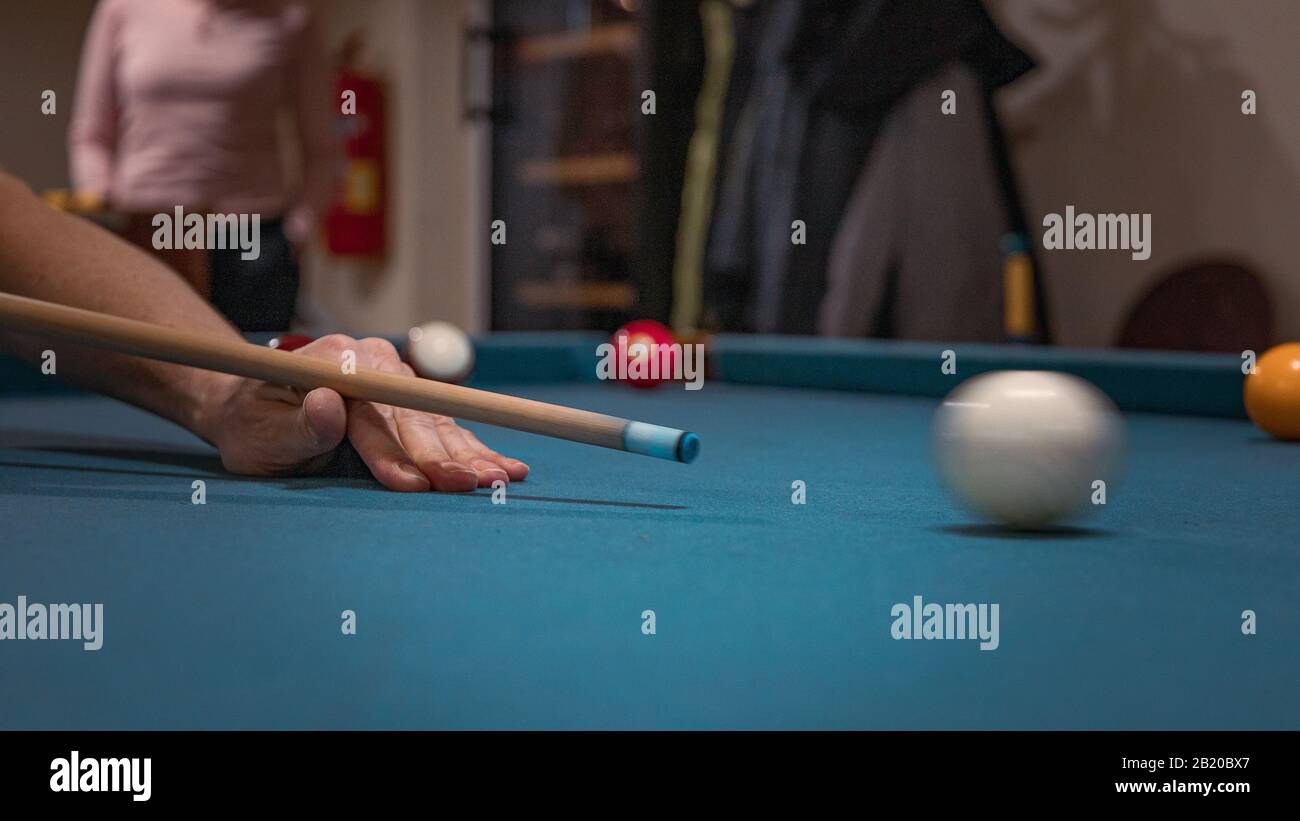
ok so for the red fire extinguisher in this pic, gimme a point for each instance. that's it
(355, 223)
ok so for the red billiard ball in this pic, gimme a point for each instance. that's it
(635, 342)
(289, 342)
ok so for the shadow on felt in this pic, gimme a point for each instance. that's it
(994, 531)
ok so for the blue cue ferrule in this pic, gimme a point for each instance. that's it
(660, 442)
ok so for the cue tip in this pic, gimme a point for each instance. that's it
(688, 447)
(660, 442)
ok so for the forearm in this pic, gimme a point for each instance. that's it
(52, 256)
(91, 131)
(90, 161)
(318, 147)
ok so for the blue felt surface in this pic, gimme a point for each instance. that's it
(528, 614)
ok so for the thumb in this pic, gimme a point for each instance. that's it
(321, 423)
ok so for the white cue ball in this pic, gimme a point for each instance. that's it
(1024, 447)
(441, 351)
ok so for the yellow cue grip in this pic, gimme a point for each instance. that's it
(1019, 316)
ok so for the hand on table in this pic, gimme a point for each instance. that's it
(273, 430)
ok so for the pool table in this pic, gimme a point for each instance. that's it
(766, 614)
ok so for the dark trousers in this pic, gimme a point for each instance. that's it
(257, 294)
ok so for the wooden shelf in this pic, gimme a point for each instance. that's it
(592, 296)
(592, 169)
(611, 38)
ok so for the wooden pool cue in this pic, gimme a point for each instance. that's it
(197, 350)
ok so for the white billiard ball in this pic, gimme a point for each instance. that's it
(441, 351)
(1025, 447)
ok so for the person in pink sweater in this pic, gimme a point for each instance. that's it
(178, 103)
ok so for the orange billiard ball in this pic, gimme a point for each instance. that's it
(1273, 392)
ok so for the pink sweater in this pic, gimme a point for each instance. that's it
(177, 103)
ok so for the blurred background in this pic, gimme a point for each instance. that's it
(533, 117)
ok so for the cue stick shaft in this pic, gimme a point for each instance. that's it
(197, 350)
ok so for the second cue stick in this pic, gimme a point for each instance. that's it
(145, 339)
